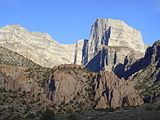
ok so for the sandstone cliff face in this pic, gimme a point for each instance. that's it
(109, 39)
(114, 33)
(111, 42)
(113, 59)
(40, 47)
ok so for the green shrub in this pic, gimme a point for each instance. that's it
(149, 108)
(72, 117)
(158, 108)
(111, 110)
(48, 115)
(31, 115)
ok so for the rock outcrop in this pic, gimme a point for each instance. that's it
(104, 90)
(111, 42)
(145, 72)
(112, 92)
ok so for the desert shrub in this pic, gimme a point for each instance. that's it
(101, 109)
(158, 108)
(69, 110)
(129, 107)
(47, 115)
(72, 117)
(31, 115)
(111, 110)
(149, 108)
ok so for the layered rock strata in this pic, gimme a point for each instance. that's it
(112, 40)
(40, 47)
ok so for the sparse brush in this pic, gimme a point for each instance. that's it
(72, 117)
(158, 108)
(149, 108)
(48, 115)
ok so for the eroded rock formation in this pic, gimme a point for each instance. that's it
(102, 90)
(112, 92)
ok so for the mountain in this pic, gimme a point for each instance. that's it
(145, 73)
(110, 42)
(21, 91)
(25, 90)
(40, 47)
(124, 74)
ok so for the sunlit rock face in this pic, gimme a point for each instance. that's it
(114, 33)
(111, 43)
(40, 47)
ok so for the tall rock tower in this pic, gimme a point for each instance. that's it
(112, 42)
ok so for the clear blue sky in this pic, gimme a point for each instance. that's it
(69, 20)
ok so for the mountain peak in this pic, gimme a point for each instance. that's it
(112, 32)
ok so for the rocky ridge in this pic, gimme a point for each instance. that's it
(40, 47)
(145, 73)
(109, 39)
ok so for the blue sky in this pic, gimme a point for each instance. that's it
(70, 20)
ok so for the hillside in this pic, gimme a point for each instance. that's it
(145, 73)
(26, 86)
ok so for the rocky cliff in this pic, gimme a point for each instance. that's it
(145, 73)
(40, 47)
(112, 32)
(110, 42)
(78, 89)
